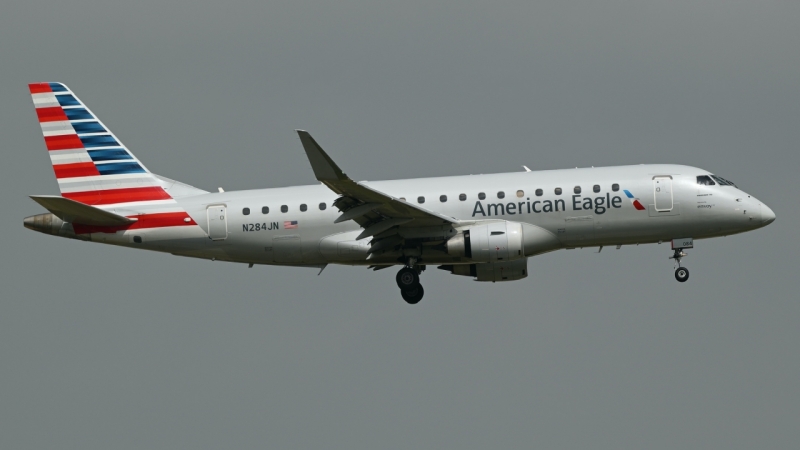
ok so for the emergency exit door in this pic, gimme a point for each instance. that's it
(217, 222)
(662, 187)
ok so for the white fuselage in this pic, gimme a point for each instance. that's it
(585, 219)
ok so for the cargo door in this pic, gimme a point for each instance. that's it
(578, 231)
(287, 249)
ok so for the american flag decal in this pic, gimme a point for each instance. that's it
(289, 224)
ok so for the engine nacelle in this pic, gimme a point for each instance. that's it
(494, 271)
(501, 241)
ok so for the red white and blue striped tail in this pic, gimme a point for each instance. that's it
(92, 166)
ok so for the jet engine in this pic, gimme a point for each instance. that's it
(501, 241)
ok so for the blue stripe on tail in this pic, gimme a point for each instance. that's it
(110, 154)
(119, 168)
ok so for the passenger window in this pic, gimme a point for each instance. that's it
(303, 207)
(501, 194)
(615, 187)
(705, 180)
(442, 198)
(284, 208)
(420, 199)
(481, 196)
(462, 197)
(520, 193)
(265, 210)
(596, 188)
(246, 211)
(577, 190)
(558, 191)
(539, 192)
(322, 206)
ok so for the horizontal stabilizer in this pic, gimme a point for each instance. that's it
(76, 212)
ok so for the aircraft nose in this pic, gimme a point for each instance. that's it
(767, 215)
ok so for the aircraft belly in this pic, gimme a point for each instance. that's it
(161, 239)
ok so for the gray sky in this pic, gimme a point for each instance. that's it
(105, 347)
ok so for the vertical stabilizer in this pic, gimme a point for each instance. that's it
(91, 165)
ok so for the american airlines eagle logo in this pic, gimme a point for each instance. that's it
(634, 201)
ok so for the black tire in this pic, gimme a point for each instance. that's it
(407, 278)
(413, 295)
(682, 274)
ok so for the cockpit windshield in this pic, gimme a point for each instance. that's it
(722, 181)
(705, 180)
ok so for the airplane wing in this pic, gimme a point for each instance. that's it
(378, 213)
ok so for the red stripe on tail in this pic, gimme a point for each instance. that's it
(109, 196)
(38, 88)
(82, 169)
(51, 114)
(63, 142)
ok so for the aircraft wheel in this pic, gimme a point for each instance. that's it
(413, 295)
(681, 274)
(407, 278)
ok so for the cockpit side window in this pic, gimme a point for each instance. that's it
(722, 181)
(705, 180)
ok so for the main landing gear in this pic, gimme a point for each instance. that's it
(408, 282)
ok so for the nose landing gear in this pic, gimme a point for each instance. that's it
(681, 273)
(408, 282)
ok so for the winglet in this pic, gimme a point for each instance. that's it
(324, 167)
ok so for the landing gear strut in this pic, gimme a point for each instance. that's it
(408, 282)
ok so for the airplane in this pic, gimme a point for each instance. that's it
(479, 226)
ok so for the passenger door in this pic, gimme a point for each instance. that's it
(662, 193)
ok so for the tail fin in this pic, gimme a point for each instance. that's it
(92, 166)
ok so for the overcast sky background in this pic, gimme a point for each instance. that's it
(104, 347)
